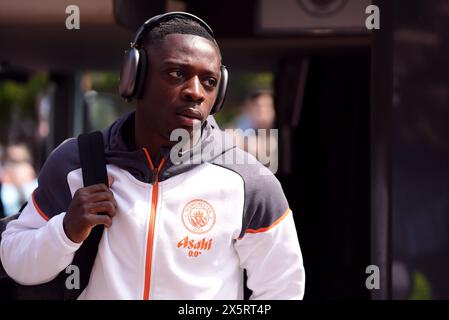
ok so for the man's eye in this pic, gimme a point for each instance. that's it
(211, 82)
(176, 74)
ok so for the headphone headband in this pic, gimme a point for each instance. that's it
(154, 21)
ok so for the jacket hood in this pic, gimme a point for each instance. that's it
(119, 151)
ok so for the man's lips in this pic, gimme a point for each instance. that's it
(188, 117)
(190, 113)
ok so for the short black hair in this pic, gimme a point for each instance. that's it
(180, 25)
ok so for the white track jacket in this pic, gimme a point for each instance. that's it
(182, 231)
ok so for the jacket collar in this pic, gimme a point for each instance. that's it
(121, 151)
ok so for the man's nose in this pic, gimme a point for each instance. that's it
(193, 90)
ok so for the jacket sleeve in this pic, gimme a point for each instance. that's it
(268, 244)
(34, 248)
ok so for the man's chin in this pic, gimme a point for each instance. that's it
(184, 133)
(191, 126)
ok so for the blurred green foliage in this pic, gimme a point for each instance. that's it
(18, 101)
(240, 86)
(105, 81)
(421, 287)
(105, 106)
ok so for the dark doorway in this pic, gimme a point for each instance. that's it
(327, 179)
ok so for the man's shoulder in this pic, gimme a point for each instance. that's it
(64, 158)
(52, 195)
(257, 178)
(65, 149)
(264, 200)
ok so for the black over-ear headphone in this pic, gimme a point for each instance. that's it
(133, 73)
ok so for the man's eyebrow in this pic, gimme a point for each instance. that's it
(175, 63)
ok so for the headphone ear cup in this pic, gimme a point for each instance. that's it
(141, 73)
(222, 87)
(128, 73)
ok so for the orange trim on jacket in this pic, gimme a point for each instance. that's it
(269, 227)
(42, 214)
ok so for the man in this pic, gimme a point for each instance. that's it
(174, 230)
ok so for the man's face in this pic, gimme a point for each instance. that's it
(181, 83)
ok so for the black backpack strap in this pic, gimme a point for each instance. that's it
(93, 165)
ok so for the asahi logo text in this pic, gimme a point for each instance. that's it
(194, 247)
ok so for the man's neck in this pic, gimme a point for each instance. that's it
(153, 142)
(144, 138)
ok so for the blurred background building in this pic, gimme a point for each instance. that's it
(361, 116)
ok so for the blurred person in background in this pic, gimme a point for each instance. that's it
(18, 177)
(258, 112)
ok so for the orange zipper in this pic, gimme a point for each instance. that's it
(150, 237)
